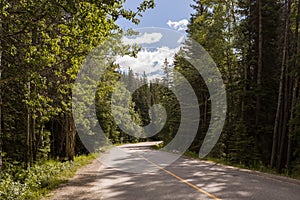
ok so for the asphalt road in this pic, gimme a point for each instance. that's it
(184, 179)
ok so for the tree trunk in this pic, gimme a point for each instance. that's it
(260, 63)
(70, 133)
(291, 126)
(0, 111)
(277, 131)
(29, 134)
(34, 143)
(285, 116)
(0, 97)
(295, 89)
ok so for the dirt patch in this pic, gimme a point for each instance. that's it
(82, 186)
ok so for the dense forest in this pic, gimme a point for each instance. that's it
(255, 45)
(42, 47)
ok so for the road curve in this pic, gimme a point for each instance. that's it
(185, 179)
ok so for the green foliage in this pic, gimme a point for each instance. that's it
(229, 31)
(12, 190)
(19, 184)
(43, 44)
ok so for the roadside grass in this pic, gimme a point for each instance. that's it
(258, 167)
(158, 146)
(38, 180)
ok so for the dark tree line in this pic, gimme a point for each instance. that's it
(255, 45)
(42, 47)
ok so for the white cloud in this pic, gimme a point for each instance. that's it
(179, 25)
(150, 62)
(146, 38)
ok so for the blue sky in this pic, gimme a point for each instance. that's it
(168, 21)
(157, 45)
(165, 10)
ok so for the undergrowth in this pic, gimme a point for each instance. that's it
(19, 183)
(258, 167)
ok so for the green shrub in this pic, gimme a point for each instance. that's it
(12, 190)
(18, 183)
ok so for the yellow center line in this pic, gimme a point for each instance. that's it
(183, 180)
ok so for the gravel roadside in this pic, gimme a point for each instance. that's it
(82, 186)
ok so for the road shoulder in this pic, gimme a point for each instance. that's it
(77, 186)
